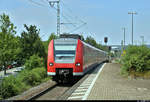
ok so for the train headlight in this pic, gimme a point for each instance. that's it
(51, 64)
(78, 64)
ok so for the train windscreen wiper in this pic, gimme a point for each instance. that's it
(60, 57)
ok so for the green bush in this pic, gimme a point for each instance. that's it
(23, 74)
(137, 58)
(34, 76)
(41, 72)
(34, 62)
(11, 86)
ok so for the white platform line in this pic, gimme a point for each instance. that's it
(83, 87)
(89, 90)
(78, 93)
(87, 83)
(75, 97)
(80, 90)
(90, 78)
(93, 75)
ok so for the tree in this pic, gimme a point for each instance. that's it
(82, 37)
(6, 26)
(8, 42)
(31, 42)
(91, 41)
(51, 37)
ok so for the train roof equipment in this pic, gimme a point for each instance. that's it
(75, 36)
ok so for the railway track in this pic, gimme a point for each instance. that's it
(60, 91)
(53, 91)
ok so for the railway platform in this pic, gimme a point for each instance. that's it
(110, 85)
(106, 83)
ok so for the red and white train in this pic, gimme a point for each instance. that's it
(69, 58)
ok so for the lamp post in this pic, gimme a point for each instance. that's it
(132, 13)
(124, 31)
(142, 37)
(52, 3)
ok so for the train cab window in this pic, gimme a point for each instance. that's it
(65, 53)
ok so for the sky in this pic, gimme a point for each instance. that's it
(103, 18)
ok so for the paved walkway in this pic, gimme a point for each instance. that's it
(110, 85)
(12, 71)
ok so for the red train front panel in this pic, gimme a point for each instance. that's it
(55, 53)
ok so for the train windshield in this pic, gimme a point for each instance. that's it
(65, 53)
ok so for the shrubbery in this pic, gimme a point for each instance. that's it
(12, 86)
(33, 74)
(34, 62)
(137, 59)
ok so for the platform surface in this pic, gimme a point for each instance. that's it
(110, 85)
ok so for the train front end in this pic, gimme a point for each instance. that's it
(65, 59)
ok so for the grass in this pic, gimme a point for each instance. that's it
(117, 60)
(46, 79)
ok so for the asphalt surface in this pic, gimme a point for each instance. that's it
(12, 71)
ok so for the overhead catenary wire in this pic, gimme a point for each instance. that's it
(77, 27)
(63, 17)
(82, 23)
(68, 21)
(47, 34)
(43, 1)
(66, 16)
(69, 16)
(41, 5)
(37, 3)
(70, 11)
